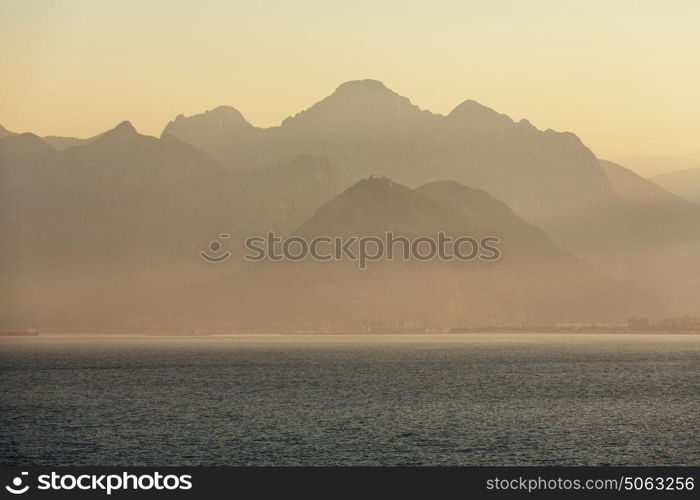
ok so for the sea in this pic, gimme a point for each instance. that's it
(384, 399)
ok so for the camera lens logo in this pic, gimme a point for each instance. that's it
(215, 247)
(16, 487)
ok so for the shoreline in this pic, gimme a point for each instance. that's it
(58, 335)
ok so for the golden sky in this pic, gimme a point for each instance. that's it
(624, 75)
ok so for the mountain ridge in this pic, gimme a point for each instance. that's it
(684, 183)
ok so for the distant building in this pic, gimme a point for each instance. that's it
(638, 323)
(681, 323)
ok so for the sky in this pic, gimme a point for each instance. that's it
(623, 75)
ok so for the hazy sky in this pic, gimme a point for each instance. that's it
(624, 75)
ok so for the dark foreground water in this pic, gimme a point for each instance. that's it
(495, 399)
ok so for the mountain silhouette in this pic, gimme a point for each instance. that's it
(548, 178)
(122, 217)
(60, 143)
(127, 211)
(4, 132)
(653, 166)
(684, 183)
(553, 286)
(632, 187)
(367, 129)
(216, 131)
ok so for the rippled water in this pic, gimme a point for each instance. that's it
(492, 399)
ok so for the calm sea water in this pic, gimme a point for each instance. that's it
(492, 399)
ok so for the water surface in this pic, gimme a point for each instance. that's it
(477, 399)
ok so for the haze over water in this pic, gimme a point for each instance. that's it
(486, 399)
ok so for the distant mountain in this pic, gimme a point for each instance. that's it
(104, 197)
(552, 180)
(533, 283)
(127, 212)
(218, 132)
(367, 129)
(651, 237)
(4, 132)
(651, 166)
(376, 205)
(108, 231)
(125, 190)
(280, 197)
(58, 143)
(494, 215)
(61, 143)
(104, 237)
(632, 187)
(685, 183)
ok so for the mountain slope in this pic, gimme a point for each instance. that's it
(684, 183)
(533, 283)
(126, 213)
(630, 186)
(650, 166)
(60, 143)
(611, 219)
(217, 131)
(492, 213)
(4, 132)
(365, 129)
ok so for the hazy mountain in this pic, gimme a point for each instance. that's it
(105, 236)
(650, 237)
(25, 162)
(608, 217)
(125, 190)
(365, 129)
(60, 143)
(685, 183)
(218, 132)
(630, 186)
(115, 193)
(4, 132)
(127, 212)
(376, 205)
(649, 166)
(494, 215)
(109, 230)
(553, 286)
(96, 215)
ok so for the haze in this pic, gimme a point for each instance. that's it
(623, 77)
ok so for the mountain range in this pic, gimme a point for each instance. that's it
(685, 183)
(550, 179)
(533, 282)
(103, 233)
(651, 166)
